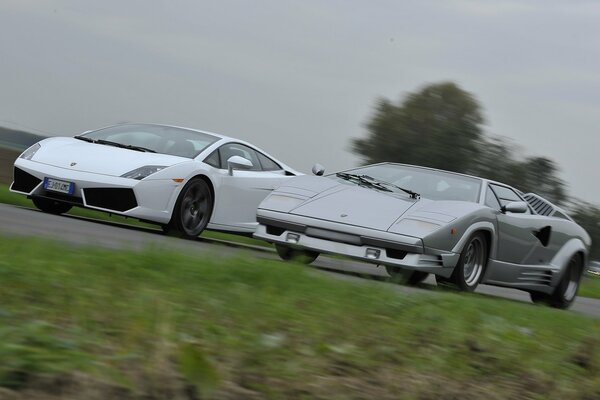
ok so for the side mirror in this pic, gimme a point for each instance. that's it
(517, 207)
(238, 162)
(318, 169)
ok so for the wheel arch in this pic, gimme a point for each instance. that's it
(489, 231)
(562, 258)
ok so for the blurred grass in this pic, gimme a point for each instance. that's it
(8, 197)
(590, 286)
(159, 323)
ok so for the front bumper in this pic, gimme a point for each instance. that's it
(368, 245)
(150, 200)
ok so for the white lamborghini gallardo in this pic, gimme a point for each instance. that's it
(182, 179)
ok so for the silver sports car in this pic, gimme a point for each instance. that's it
(416, 221)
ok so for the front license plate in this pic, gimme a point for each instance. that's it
(56, 185)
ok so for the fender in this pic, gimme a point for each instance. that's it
(563, 256)
(478, 226)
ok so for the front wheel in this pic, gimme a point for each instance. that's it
(564, 294)
(51, 206)
(288, 253)
(471, 265)
(192, 210)
(406, 276)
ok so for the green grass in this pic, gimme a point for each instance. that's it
(160, 323)
(8, 197)
(590, 286)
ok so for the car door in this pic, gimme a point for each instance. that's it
(523, 238)
(237, 196)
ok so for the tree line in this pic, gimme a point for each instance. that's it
(442, 126)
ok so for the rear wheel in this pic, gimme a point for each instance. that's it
(564, 294)
(192, 210)
(406, 276)
(288, 254)
(471, 265)
(51, 206)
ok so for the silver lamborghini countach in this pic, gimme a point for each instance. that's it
(417, 221)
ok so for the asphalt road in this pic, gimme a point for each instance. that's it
(77, 230)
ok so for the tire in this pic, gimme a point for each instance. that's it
(192, 211)
(471, 265)
(566, 291)
(290, 254)
(51, 206)
(406, 276)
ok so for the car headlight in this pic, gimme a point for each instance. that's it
(142, 172)
(282, 202)
(415, 227)
(30, 152)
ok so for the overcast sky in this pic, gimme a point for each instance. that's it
(300, 78)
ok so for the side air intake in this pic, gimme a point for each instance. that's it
(23, 181)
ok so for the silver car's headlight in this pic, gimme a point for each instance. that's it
(282, 202)
(415, 227)
(143, 172)
(30, 152)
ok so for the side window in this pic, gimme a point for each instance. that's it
(506, 195)
(491, 200)
(236, 149)
(267, 164)
(213, 160)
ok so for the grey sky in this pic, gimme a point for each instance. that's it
(300, 78)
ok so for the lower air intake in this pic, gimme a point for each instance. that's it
(23, 181)
(118, 199)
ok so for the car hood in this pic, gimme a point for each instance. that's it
(353, 205)
(78, 155)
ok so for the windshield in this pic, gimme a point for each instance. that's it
(430, 184)
(155, 138)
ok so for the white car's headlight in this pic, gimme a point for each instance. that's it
(415, 227)
(282, 202)
(142, 172)
(30, 152)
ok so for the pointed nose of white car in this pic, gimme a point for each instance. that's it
(97, 158)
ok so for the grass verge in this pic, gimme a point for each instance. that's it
(94, 323)
(590, 286)
(8, 197)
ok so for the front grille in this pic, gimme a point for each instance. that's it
(397, 254)
(23, 181)
(273, 230)
(541, 206)
(118, 199)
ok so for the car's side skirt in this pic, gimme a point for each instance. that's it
(540, 278)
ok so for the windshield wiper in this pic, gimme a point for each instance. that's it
(375, 183)
(124, 146)
(413, 195)
(85, 139)
(362, 180)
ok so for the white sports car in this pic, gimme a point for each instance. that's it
(182, 179)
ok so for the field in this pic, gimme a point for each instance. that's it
(97, 324)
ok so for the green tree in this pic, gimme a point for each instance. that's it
(438, 126)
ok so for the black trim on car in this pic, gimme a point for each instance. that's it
(118, 199)
(24, 181)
